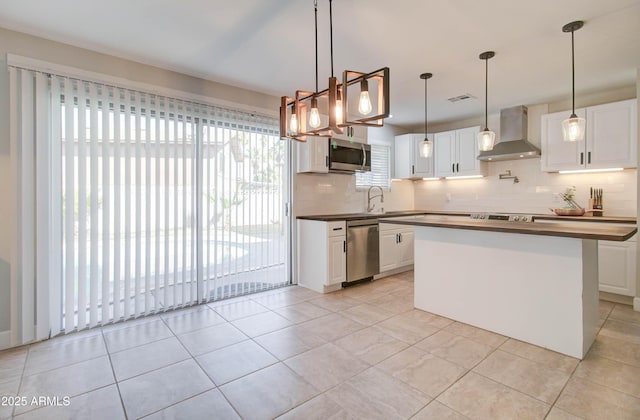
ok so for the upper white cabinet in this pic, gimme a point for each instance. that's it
(408, 162)
(313, 155)
(456, 153)
(610, 139)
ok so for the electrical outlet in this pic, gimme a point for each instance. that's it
(448, 197)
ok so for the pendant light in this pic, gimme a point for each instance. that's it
(314, 114)
(573, 127)
(326, 113)
(426, 147)
(486, 138)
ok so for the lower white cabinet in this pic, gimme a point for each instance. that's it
(322, 254)
(617, 266)
(396, 246)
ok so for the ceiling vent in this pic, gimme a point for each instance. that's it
(462, 97)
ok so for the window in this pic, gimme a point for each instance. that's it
(380, 169)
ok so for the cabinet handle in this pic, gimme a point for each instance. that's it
(453, 167)
(589, 157)
(413, 169)
(397, 238)
(400, 235)
(326, 159)
(344, 246)
(581, 158)
(457, 167)
(337, 228)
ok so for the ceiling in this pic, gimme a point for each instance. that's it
(267, 46)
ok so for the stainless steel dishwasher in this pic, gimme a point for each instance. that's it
(363, 249)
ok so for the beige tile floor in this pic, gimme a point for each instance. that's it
(361, 353)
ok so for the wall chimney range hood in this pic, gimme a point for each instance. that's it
(513, 137)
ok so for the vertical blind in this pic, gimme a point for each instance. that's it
(146, 203)
(380, 169)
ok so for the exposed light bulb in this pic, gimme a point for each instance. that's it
(314, 115)
(339, 110)
(293, 124)
(426, 148)
(364, 105)
(486, 140)
(573, 128)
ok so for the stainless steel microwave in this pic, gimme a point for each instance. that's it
(349, 157)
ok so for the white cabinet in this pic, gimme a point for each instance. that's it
(610, 139)
(617, 266)
(396, 246)
(313, 155)
(337, 260)
(408, 162)
(322, 254)
(456, 153)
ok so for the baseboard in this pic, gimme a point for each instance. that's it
(615, 298)
(394, 271)
(5, 340)
(636, 303)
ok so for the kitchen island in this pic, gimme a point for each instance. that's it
(536, 282)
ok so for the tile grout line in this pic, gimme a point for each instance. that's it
(115, 378)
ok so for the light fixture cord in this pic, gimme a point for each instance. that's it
(425, 107)
(315, 7)
(331, 33)
(486, 92)
(573, 79)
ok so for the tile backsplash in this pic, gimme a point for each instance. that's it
(535, 193)
(337, 193)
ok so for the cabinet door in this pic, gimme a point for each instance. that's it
(388, 249)
(423, 167)
(467, 144)
(313, 155)
(617, 267)
(405, 248)
(558, 154)
(337, 260)
(445, 153)
(403, 149)
(612, 135)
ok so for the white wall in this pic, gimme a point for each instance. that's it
(336, 193)
(54, 52)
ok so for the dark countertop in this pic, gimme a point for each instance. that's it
(567, 230)
(359, 216)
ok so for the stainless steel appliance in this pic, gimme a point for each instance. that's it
(349, 157)
(363, 249)
(513, 137)
(507, 217)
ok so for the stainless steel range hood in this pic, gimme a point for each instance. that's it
(513, 137)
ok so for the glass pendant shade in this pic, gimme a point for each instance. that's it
(314, 115)
(426, 148)
(486, 140)
(573, 128)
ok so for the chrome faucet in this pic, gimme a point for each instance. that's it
(369, 197)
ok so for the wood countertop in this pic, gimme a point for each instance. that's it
(550, 217)
(567, 230)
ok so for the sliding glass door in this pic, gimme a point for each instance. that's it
(165, 203)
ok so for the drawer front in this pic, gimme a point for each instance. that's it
(336, 228)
